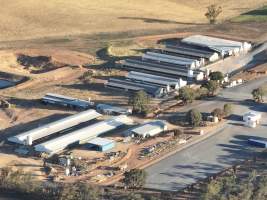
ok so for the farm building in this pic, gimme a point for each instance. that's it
(150, 129)
(192, 52)
(54, 127)
(161, 69)
(66, 101)
(163, 81)
(222, 46)
(128, 85)
(82, 135)
(180, 61)
(101, 144)
(109, 109)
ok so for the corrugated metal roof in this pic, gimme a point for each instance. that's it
(54, 127)
(148, 127)
(213, 43)
(67, 100)
(100, 141)
(89, 132)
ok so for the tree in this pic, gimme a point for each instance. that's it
(212, 87)
(88, 192)
(135, 178)
(216, 76)
(217, 112)
(140, 102)
(258, 94)
(194, 117)
(213, 12)
(186, 94)
(227, 109)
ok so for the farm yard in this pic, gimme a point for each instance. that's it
(50, 75)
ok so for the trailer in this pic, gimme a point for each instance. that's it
(258, 143)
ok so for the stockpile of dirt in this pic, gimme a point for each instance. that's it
(38, 64)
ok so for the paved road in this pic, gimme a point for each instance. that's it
(225, 147)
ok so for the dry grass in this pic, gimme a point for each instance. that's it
(38, 18)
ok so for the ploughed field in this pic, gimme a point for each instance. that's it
(37, 18)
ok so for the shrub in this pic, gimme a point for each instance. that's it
(194, 117)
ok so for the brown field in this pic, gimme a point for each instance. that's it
(37, 18)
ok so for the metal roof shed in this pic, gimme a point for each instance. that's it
(82, 135)
(150, 129)
(221, 45)
(109, 109)
(168, 70)
(183, 60)
(48, 129)
(101, 144)
(150, 78)
(66, 101)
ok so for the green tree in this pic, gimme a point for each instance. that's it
(217, 112)
(258, 94)
(194, 117)
(140, 102)
(212, 87)
(213, 11)
(88, 192)
(216, 76)
(227, 109)
(186, 94)
(135, 178)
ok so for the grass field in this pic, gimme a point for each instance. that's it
(37, 18)
(258, 15)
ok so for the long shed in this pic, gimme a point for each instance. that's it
(48, 129)
(82, 135)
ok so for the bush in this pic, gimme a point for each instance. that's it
(211, 86)
(135, 178)
(217, 112)
(194, 117)
(186, 94)
(227, 109)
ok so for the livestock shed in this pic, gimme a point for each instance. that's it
(211, 56)
(128, 85)
(66, 101)
(183, 61)
(48, 129)
(223, 46)
(161, 80)
(169, 59)
(150, 129)
(82, 135)
(161, 69)
(109, 109)
(101, 144)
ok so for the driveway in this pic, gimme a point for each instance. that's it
(224, 148)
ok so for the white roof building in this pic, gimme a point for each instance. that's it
(150, 129)
(82, 135)
(54, 127)
(217, 44)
